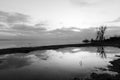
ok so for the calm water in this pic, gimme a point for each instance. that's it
(60, 64)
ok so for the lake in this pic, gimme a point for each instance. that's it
(73, 63)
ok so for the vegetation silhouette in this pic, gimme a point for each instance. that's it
(100, 37)
(101, 40)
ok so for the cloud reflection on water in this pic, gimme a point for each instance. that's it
(63, 63)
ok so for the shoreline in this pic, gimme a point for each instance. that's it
(29, 49)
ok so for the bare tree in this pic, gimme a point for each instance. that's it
(101, 33)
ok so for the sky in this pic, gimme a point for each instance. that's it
(56, 18)
(66, 13)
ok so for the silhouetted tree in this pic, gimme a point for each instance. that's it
(100, 33)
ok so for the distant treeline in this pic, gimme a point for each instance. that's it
(114, 39)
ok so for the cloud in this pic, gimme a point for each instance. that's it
(7, 34)
(13, 18)
(85, 2)
(2, 26)
(17, 23)
(24, 27)
(79, 2)
(116, 20)
(22, 30)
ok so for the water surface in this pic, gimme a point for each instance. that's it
(60, 64)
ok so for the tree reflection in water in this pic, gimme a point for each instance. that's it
(114, 67)
(101, 52)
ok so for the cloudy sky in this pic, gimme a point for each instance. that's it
(63, 17)
(59, 13)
